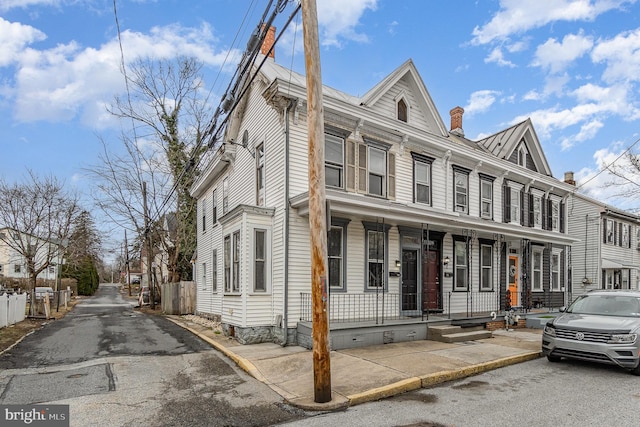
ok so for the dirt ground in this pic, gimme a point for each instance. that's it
(13, 333)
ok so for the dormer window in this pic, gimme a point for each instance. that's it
(402, 110)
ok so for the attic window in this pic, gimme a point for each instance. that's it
(522, 156)
(402, 110)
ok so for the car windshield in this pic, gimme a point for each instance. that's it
(607, 305)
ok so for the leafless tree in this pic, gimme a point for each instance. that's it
(37, 217)
(168, 112)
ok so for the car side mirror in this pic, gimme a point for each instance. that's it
(563, 309)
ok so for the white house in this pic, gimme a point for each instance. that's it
(422, 219)
(14, 265)
(607, 256)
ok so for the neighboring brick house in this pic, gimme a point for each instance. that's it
(422, 219)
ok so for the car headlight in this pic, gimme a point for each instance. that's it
(550, 330)
(623, 338)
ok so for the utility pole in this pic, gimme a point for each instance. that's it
(147, 238)
(126, 261)
(317, 206)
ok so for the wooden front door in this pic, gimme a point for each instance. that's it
(512, 292)
(409, 279)
(431, 281)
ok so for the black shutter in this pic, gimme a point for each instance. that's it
(562, 217)
(531, 212)
(521, 207)
(507, 203)
(604, 230)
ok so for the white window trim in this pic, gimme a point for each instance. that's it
(537, 287)
(555, 286)
(537, 210)
(267, 260)
(515, 190)
(486, 200)
(483, 267)
(416, 182)
(338, 166)
(402, 96)
(385, 174)
(465, 207)
(260, 171)
(462, 267)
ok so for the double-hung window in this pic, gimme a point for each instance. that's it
(610, 231)
(334, 160)
(486, 267)
(555, 271)
(515, 205)
(555, 215)
(235, 280)
(227, 263)
(203, 212)
(460, 265)
(486, 197)
(214, 207)
(537, 270)
(225, 196)
(260, 175)
(214, 270)
(537, 211)
(377, 171)
(204, 275)
(421, 179)
(461, 190)
(260, 260)
(376, 246)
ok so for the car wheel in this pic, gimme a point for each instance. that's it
(552, 358)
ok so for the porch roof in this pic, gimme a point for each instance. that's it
(411, 215)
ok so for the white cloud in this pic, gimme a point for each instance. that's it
(70, 81)
(621, 55)
(14, 37)
(338, 19)
(12, 4)
(587, 131)
(520, 16)
(497, 57)
(480, 101)
(557, 56)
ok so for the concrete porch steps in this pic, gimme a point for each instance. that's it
(451, 333)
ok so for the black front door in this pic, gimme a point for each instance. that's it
(409, 279)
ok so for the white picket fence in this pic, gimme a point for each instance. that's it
(12, 309)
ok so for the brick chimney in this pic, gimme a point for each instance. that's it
(269, 41)
(456, 120)
(568, 178)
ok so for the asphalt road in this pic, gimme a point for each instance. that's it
(116, 366)
(536, 393)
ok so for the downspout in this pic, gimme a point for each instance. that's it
(285, 312)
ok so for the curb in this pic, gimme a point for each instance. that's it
(446, 376)
(410, 384)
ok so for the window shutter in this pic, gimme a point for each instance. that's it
(362, 168)
(561, 217)
(604, 230)
(392, 175)
(521, 207)
(507, 203)
(531, 211)
(351, 166)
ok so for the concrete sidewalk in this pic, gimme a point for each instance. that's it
(371, 373)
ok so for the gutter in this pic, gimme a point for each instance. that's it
(285, 312)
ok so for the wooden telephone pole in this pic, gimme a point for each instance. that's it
(317, 206)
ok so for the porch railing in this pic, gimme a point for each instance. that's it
(472, 304)
(367, 307)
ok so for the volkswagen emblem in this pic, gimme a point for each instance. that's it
(579, 336)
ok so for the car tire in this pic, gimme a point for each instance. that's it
(636, 370)
(553, 359)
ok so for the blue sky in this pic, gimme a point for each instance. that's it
(572, 66)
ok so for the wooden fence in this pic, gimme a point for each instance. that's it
(179, 298)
